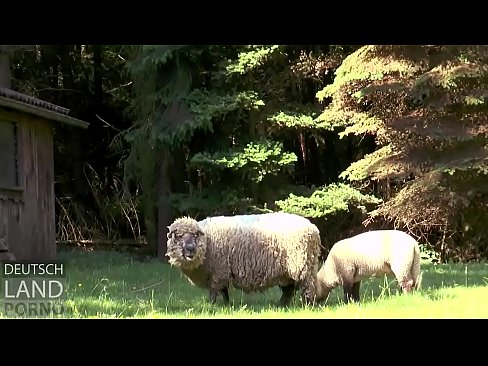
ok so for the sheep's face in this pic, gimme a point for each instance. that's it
(186, 243)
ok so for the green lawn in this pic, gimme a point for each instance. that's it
(113, 285)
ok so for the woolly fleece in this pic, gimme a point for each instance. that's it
(249, 252)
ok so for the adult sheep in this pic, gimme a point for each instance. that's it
(370, 254)
(248, 252)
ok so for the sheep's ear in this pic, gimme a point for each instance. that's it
(170, 233)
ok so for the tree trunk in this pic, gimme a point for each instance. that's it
(303, 153)
(150, 214)
(179, 175)
(164, 207)
(97, 75)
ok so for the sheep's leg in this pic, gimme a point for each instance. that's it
(355, 291)
(225, 294)
(288, 292)
(219, 288)
(213, 296)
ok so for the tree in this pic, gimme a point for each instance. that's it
(5, 69)
(91, 81)
(426, 108)
(263, 150)
(235, 167)
(163, 78)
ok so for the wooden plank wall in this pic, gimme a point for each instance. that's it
(29, 223)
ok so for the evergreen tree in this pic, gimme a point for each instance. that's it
(235, 126)
(426, 108)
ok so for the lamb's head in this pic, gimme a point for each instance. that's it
(186, 244)
(322, 286)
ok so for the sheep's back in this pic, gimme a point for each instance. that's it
(262, 250)
(272, 223)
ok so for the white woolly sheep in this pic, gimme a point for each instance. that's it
(248, 252)
(370, 254)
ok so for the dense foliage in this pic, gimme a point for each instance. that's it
(235, 129)
(394, 135)
(92, 81)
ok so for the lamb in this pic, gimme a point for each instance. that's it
(370, 254)
(249, 252)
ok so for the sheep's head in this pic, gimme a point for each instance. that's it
(186, 244)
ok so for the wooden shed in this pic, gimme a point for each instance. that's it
(27, 217)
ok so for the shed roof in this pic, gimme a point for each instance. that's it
(22, 102)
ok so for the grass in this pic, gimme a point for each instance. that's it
(109, 284)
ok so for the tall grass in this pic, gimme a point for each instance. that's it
(110, 215)
(107, 284)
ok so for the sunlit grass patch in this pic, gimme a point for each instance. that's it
(113, 285)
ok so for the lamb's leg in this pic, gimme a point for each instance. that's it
(288, 292)
(348, 284)
(348, 291)
(355, 291)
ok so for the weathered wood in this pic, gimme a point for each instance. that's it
(27, 221)
(41, 112)
(8, 164)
